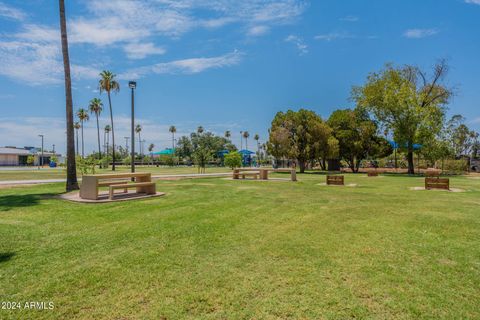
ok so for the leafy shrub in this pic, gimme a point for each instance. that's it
(233, 160)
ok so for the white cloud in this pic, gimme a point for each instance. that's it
(185, 66)
(473, 1)
(258, 31)
(334, 36)
(11, 12)
(299, 43)
(33, 54)
(349, 18)
(142, 50)
(419, 33)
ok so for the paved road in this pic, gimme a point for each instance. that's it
(163, 176)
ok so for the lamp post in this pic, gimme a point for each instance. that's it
(41, 157)
(54, 148)
(132, 85)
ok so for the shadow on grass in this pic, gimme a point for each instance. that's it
(5, 256)
(18, 201)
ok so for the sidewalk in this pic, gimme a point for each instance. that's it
(163, 176)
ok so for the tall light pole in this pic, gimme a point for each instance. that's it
(132, 85)
(54, 148)
(41, 157)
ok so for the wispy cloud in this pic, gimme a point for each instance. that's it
(9, 12)
(141, 50)
(299, 43)
(258, 31)
(350, 18)
(334, 36)
(33, 56)
(419, 33)
(473, 1)
(185, 66)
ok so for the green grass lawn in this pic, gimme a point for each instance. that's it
(60, 173)
(223, 249)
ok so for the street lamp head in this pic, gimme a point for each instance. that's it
(132, 84)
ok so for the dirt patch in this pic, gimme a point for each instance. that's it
(324, 184)
(451, 189)
(11, 186)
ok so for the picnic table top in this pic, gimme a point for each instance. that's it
(118, 175)
(264, 168)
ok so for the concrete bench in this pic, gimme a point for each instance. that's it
(437, 183)
(142, 187)
(335, 180)
(254, 174)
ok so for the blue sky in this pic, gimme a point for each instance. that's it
(222, 64)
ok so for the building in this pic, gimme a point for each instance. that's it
(13, 156)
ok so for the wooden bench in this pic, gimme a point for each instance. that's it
(437, 183)
(335, 180)
(372, 174)
(142, 187)
(432, 173)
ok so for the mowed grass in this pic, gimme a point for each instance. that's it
(9, 175)
(222, 249)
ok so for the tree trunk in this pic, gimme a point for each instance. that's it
(301, 164)
(113, 132)
(411, 167)
(77, 141)
(98, 137)
(72, 183)
(83, 146)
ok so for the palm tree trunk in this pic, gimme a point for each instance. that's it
(77, 141)
(72, 183)
(98, 136)
(83, 145)
(113, 132)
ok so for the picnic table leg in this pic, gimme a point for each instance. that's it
(264, 174)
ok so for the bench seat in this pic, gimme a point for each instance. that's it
(145, 187)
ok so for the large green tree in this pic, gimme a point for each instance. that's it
(407, 103)
(357, 137)
(300, 135)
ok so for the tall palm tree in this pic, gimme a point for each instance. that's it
(200, 130)
(228, 134)
(82, 115)
(72, 183)
(108, 84)
(107, 130)
(77, 126)
(256, 137)
(96, 106)
(138, 129)
(173, 130)
(246, 135)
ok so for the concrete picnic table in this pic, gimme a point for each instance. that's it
(91, 183)
(263, 172)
